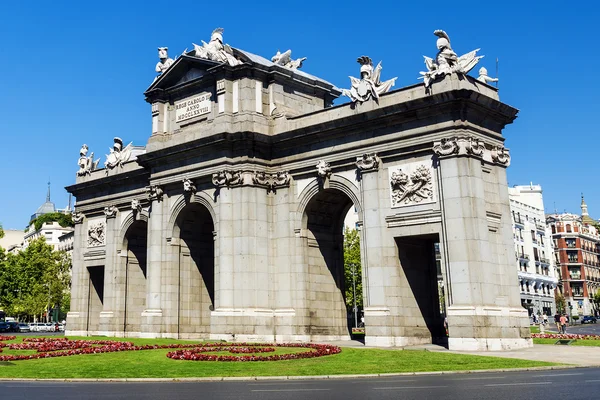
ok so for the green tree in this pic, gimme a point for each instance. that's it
(33, 280)
(1, 232)
(596, 300)
(352, 264)
(561, 304)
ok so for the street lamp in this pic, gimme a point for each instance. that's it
(354, 294)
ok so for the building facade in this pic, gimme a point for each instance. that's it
(534, 250)
(577, 254)
(230, 225)
(51, 231)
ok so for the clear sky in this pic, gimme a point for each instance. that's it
(75, 72)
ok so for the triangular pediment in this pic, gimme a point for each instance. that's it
(184, 69)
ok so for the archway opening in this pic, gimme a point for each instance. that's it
(421, 268)
(330, 311)
(196, 270)
(136, 239)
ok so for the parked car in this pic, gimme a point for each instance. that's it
(589, 319)
(3, 327)
(13, 326)
(23, 327)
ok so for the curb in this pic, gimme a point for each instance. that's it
(284, 378)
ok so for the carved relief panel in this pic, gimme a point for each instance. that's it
(96, 234)
(412, 184)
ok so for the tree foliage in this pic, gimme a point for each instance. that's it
(352, 263)
(561, 304)
(34, 280)
(1, 232)
(63, 220)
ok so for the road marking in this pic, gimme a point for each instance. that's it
(552, 375)
(408, 387)
(278, 384)
(518, 384)
(289, 390)
(593, 380)
(473, 379)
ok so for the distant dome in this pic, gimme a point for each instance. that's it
(46, 208)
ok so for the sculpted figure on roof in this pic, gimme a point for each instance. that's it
(446, 61)
(369, 85)
(286, 60)
(86, 164)
(216, 50)
(118, 155)
(165, 62)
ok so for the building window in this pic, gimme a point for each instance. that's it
(571, 243)
(553, 229)
(568, 228)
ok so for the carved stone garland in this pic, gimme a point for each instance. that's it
(367, 162)
(227, 178)
(501, 155)
(110, 211)
(154, 192)
(271, 181)
(77, 217)
(411, 190)
(446, 147)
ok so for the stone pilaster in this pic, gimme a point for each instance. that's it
(151, 321)
(114, 289)
(479, 317)
(77, 316)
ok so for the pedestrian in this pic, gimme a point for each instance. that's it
(545, 319)
(557, 321)
(563, 324)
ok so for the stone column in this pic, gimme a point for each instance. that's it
(478, 318)
(378, 319)
(151, 321)
(77, 315)
(113, 279)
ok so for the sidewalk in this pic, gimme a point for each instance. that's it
(576, 355)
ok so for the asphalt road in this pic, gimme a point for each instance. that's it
(572, 384)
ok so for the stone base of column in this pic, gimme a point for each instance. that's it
(488, 328)
(151, 324)
(76, 322)
(109, 323)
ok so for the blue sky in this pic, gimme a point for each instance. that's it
(75, 72)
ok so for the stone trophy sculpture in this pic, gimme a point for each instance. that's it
(483, 76)
(118, 155)
(446, 61)
(86, 164)
(165, 62)
(285, 60)
(368, 86)
(215, 50)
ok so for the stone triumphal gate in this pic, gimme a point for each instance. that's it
(229, 223)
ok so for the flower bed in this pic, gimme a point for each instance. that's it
(7, 338)
(63, 347)
(564, 336)
(318, 350)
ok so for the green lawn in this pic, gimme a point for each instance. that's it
(154, 364)
(576, 343)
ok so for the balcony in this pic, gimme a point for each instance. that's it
(540, 227)
(519, 221)
(545, 261)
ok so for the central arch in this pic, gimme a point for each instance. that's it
(196, 270)
(323, 220)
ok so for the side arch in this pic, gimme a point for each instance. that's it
(337, 182)
(126, 224)
(201, 198)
